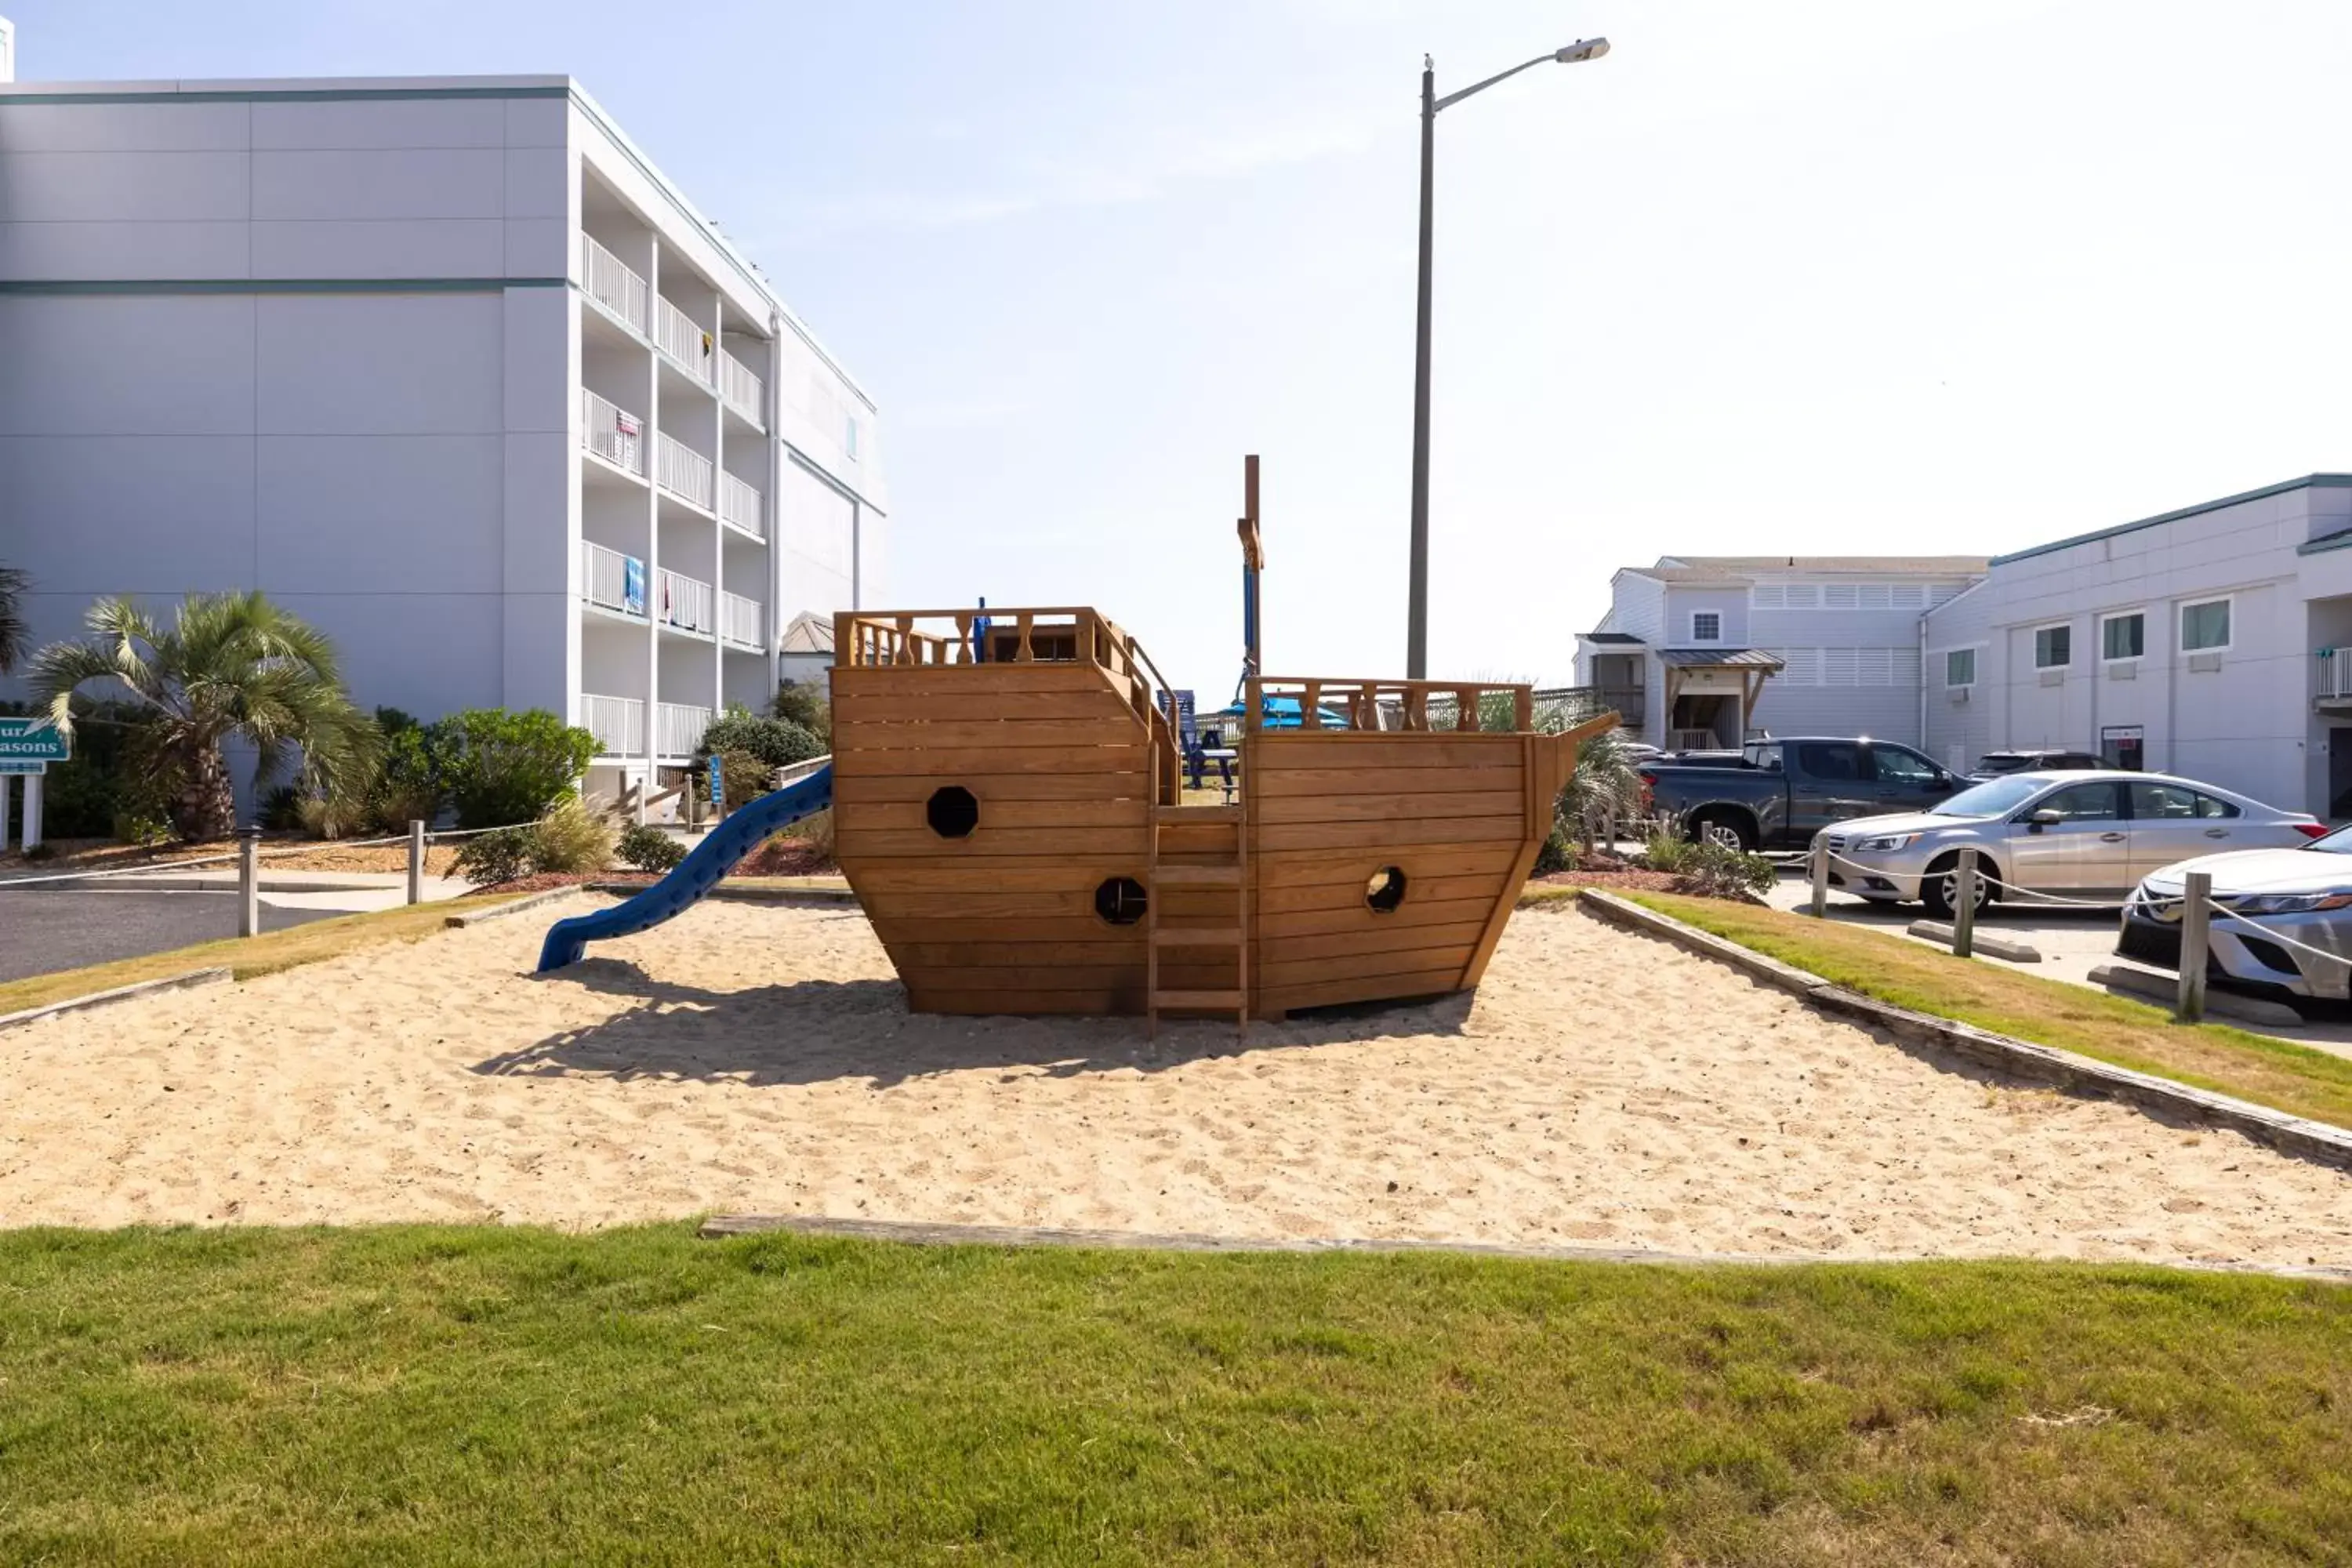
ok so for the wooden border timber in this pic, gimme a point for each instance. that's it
(721, 1228)
(2292, 1135)
(132, 993)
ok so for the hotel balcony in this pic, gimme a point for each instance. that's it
(678, 727)
(612, 580)
(682, 471)
(677, 335)
(612, 284)
(741, 390)
(739, 621)
(618, 723)
(686, 602)
(739, 506)
(613, 433)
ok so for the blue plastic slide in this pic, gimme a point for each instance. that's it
(737, 835)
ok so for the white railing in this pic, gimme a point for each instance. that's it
(612, 284)
(739, 504)
(743, 391)
(681, 470)
(612, 432)
(739, 619)
(2335, 673)
(607, 575)
(677, 335)
(686, 601)
(678, 728)
(618, 723)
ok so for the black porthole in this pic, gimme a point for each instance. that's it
(953, 812)
(1120, 901)
(1385, 891)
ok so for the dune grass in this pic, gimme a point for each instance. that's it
(266, 953)
(427, 1395)
(2268, 1071)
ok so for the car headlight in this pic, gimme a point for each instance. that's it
(2288, 903)
(1886, 842)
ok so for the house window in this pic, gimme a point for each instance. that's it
(2124, 637)
(2054, 647)
(2205, 628)
(849, 438)
(1960, 667)
(1706, 625)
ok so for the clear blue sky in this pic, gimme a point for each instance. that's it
(1822, 276)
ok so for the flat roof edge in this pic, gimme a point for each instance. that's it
(273, 86)
(2308, 481)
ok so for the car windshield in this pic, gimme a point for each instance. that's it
(1991, 799)
(2336, 843)
(2002, 762)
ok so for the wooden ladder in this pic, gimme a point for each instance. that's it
(1231, 872)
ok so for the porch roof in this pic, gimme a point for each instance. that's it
(1720, 657)
(1612, 638)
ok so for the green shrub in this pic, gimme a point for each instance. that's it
(407, 786)
(742, 777)
(1668, 851)
(129, 827)
(571, 838)
(502, 768)
(1719, 871)
(496, 857)
(649, 849)
(778, 742)
(803, 703)
(1558, 854)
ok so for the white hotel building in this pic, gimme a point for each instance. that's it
(445, 366)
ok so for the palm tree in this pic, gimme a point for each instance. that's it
(232, 666)
(1605, 787)
(13, 585)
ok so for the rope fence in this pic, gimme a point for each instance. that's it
(2199, 909)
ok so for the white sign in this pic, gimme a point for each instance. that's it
(10, 766)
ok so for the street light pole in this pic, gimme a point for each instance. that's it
(1416, 636)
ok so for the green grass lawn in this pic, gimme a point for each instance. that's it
(2269, 1071)
(461, 1395)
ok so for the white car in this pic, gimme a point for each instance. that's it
(2075, 836)
(2280, 904)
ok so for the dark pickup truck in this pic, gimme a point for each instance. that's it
(1784, 791)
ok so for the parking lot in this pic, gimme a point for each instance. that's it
(43, 930)
(2072, 942)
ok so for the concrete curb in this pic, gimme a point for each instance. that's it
(1941, 933)
(908, 1233)
(2147, 985)
(2294, 1135)
(514, 907)
(187, 982)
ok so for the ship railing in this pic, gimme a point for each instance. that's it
(1387, 707)
(1050, 634)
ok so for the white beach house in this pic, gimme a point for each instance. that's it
(444, 366)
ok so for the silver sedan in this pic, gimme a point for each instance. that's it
(2086, 838)
(2285, 918)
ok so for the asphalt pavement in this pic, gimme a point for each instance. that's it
(45, 929)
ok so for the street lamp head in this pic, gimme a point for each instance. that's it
(1583, 49)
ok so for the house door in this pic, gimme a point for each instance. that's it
(2339, 771)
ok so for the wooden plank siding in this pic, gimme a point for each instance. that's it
(1059, 758)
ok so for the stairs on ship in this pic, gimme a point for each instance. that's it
(1197, 847)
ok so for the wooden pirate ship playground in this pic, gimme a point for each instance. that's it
(1008, 800)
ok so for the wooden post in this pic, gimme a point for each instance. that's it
(415, 862)
(1964, 907)
(1022, 653)
(248, 881)
(1819, 905)
(1310, 706)
(1523, 709)
(2196, 936)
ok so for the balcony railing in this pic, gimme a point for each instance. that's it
(2335, 675)
(613, 433)
(681, 470)
(618, 723)
(611, 283)
(686, 602)
(743, 391)
(613, 581)
(678, 728)
(738, 620)
(739, 504)
(676, 334)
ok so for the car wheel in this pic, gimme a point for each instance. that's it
(1708, 827)
(1940, 888)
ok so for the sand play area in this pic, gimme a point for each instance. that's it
(1603, 1089)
